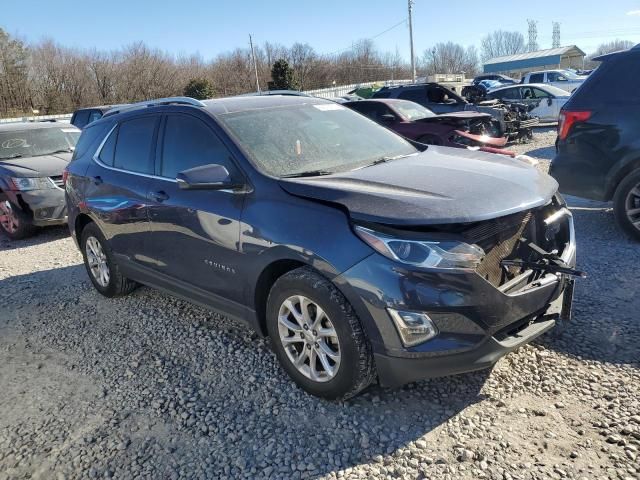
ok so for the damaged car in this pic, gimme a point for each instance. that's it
(32, 159)
(361, 257)
(418, 123)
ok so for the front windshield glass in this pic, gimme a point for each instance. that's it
(571, 75)
(413, 111)
(322, 137)
(34, 142)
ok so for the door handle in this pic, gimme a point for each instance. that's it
(97, 180)
(159, 197)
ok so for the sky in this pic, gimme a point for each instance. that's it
(211, 27)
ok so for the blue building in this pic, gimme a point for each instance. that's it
(522, 63)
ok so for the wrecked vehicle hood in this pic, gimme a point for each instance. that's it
(40, 166)
(439, 186)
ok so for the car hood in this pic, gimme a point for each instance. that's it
(41, 166)
(439, 186)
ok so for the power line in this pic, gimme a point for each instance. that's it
(392, 27)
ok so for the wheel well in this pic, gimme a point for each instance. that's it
(626, 170)
(82, 221)
(263, 286)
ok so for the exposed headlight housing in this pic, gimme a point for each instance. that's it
(32, 183)
(449, 254)
(414, 327)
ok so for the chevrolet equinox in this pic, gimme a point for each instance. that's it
(362, 256)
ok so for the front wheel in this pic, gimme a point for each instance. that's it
(15, 223)
(317, 336)
(626, 204)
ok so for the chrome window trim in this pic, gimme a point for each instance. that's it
(97, 160)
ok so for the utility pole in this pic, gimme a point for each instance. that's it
(556, 35)
(413, 58)
(255, 65)
(533, 35)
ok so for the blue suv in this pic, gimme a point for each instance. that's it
(362, 256)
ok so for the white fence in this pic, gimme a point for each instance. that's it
(338, 91)
(37, 118)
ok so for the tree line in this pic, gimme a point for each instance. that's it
(51, 78)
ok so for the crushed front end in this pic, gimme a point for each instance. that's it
(520, 288)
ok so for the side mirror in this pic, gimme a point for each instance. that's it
(206, 177)
(388, 118)
(549, 101)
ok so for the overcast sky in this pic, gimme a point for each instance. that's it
(215, 26)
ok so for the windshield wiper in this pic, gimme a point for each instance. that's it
(15, 155)
(387, 159)
(309, 173)
(62, 150)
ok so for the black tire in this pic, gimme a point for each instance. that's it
(624, 201)
(118, 284)
(430, 140)
(356, 370)
(21, 222)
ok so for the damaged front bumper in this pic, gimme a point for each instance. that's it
(477, 321)
(47, 207)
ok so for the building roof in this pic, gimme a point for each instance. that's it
(539, 58)
(550, 52)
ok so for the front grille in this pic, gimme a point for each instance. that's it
(498, 238)
(57, 180)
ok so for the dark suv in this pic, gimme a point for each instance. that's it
(358, 255)
(598, 146)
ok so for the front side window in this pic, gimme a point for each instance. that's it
(133, 145)
(412, 111)
(509, 94)
(556, 77)
(289, 140)
(34, 142)
(188, 143)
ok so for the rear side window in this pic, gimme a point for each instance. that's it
(417, 95)
(133, 144)
(81, 118)
(615, 81)
(536, 78)
(372, 110)
(188, 143)
(89, 138)
(509, 94)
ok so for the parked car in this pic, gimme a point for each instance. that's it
(358, 255)
(503, 79)
(598, 147)
(413, 121)
(84, 116)
(563, 79)
(545, 101)
(33, 156)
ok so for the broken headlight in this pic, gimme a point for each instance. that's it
(32, 183)
(447, 254)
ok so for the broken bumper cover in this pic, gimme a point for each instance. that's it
(47, 206)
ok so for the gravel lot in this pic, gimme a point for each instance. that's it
(148, 386)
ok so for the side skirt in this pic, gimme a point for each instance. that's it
(188, 292)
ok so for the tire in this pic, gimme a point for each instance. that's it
(355, 367)
(626, 205)
(430, 140)
(15, 223)
(114, 284)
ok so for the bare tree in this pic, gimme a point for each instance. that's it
(604, 48)
(501, 43)
(14, 81)
(449, 58)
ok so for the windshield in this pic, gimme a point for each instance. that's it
(34, 142)
(326, 137)
(569, 74)
(412, 111)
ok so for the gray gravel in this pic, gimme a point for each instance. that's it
(148, 386)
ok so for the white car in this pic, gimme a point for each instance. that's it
(563, 79)
(546, 99)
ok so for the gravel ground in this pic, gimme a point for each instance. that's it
(148, 386)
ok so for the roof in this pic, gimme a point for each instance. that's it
(19, 126)
(607, 56)
(538, 58)
(219, 106)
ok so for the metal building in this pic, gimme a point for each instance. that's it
(522, 63)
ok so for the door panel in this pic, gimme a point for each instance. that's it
(195, 234)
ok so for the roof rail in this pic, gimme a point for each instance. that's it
(155, 103)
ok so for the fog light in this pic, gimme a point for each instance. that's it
(413, 327)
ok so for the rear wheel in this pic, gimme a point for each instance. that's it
(626, 204)
(103, 271)
(317, 336)
(15, 223)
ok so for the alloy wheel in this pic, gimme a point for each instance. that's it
(97, 261)
(8, 218)
(632, 206)
(309, 338)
